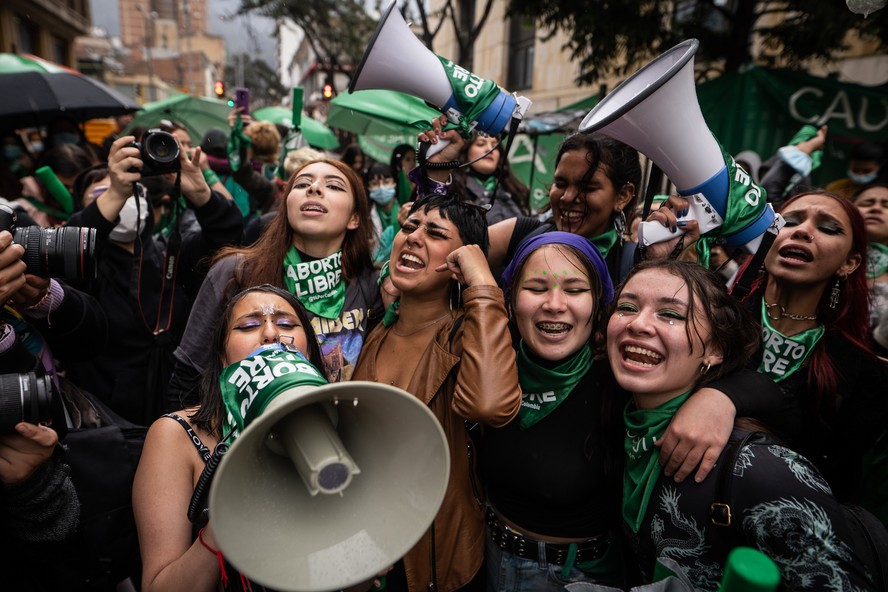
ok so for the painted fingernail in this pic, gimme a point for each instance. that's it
(673, 228)
(681, 223)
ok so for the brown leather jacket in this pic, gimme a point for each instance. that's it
(473, 377)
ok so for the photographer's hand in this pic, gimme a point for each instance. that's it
(23, 452)
(194, 186)
(12, 268)
(121, 159)
(32, 292)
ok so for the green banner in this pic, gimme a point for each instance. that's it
(761, 109)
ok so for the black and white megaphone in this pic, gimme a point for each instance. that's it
(656, 112)
(329, 486)
(397, 60)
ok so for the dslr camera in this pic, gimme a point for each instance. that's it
(24, 397)
(159, 151)
(66, 252)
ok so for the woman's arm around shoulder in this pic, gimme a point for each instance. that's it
(162, 490)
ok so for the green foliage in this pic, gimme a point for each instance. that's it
(615, 37)
(337, 31)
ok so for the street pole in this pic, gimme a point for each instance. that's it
(149, 41)
(187, 9)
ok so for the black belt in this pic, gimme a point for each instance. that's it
(556, 553)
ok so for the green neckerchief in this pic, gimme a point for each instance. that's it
(489, 183)
(744, 204)
(876, 260)
(389, 218)
(238, 142)
(784, 355)
(472, 94)
(544, 389)
(317, 284)
(605, 242)
(643, 427)
(249, 386)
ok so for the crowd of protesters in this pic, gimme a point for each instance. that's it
(608, 385)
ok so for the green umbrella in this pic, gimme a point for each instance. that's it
(315, 133)
(197, 114)
(380, 112)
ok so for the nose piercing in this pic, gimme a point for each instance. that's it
(621, 315)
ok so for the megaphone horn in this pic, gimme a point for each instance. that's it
(656, 112)
(397, 60)
(266, 516)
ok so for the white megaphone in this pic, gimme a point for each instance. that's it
(656, 112)
(265, 513)
(397, 60)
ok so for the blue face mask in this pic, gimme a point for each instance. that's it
(382, 195)
(11, 152)
(864, 179)
(65, 138)
(37, 147)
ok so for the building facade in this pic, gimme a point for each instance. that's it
(45, 28)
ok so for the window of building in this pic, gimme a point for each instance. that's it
(522, 34)
(28, 37)
(59, 50)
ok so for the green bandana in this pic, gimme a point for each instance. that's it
(876, 260)
(605, 242)
(317, 284)
(249, 385)
(803, 135)
(643, 426)
(472, 94)
(784, 355)
(544, 389)
(489, 183)
(238, 142)
(743, 206)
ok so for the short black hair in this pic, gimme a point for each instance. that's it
(469, 219)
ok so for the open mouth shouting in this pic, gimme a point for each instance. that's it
(409, 263)
(571, 219)
(795, 254)
(641, 356)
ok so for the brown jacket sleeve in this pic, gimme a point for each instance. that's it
(487, 387)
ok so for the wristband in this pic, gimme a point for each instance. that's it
(215, 552)
(211, 177)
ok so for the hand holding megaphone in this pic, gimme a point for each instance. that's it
(668, 225)
(677, 216)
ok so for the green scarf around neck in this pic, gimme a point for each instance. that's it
(782, 355)
(544, 389)
(643, 427)
(317, 284)
(605, 242)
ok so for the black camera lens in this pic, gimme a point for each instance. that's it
(66, 252)
(161, 147)
(24, 397)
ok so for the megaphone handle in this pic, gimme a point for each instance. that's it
(436, 148)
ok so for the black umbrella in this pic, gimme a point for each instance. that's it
(35, 91)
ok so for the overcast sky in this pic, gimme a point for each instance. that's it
(253, 35)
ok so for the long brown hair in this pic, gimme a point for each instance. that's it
(263, 260)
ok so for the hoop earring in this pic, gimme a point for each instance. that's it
(835, 293)
(704, 368)
(458, 296)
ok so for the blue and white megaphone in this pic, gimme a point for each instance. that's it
(397, 60)
(656, 112)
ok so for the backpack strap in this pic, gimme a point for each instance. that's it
(720, 509)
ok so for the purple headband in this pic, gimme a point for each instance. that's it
(583, 245)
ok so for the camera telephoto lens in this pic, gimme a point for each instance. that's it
(24, 397)
(67, 252)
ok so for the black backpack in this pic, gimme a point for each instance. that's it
(869, 535)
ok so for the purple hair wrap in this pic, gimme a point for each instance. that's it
(581, 244)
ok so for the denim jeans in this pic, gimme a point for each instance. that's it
(510, 573)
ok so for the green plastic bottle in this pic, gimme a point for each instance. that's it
(750, 570)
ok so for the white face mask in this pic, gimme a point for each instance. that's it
(129, 227)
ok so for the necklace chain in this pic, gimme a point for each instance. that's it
(782, 314)
(421, 327)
